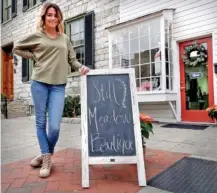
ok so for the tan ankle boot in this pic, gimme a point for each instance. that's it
(36, 162)
(46, 165)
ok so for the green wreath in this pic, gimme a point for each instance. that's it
(199, 60)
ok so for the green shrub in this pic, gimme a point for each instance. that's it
(3, 96)
(72, 106)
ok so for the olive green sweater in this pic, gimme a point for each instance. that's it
(52, 56)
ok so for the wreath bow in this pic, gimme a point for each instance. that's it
(199, 60)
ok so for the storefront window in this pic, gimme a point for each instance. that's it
(138, 46)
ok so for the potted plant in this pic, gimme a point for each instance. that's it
(146, 127)
(212, 112)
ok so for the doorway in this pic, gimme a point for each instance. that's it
(7, 72)
(196, 79)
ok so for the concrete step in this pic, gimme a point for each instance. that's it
(2, 116)
(16, 115)
(16, 109)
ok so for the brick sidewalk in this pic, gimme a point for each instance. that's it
(19, 177)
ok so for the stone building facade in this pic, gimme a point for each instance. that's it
(106, 13)
(148, 36)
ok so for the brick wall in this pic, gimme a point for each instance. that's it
(106, 14)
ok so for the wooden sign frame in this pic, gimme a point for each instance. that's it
(139, 157)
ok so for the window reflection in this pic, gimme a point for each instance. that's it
(145, 84)
(144, 43)
(125, 60)
(136, 68)
(156, 85)
(134, 33)
(155, 26)
(144, 29)
(77, 38)
(155, 41)
(139, 47)
(134, 59)
(196, 83)
(145, 57)
(145, 70)
(116, 61)
(134, 45)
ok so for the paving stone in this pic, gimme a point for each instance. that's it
(34, 184)
(4, 187)
(52, 186)
(66, 173)
(39, 189)
(117, 178)
(18, 183)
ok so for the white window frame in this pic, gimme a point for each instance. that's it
(31, 3)
(7, 9)
(164, 94)
(67, 28)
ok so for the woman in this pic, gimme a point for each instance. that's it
(52, 51)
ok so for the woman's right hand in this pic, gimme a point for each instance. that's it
(84, 70)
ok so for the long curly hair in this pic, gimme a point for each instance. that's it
(41, 21)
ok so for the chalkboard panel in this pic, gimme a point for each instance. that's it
(109, 115)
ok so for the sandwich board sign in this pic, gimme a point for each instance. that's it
(110, 122)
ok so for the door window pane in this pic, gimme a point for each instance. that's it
(196, 86)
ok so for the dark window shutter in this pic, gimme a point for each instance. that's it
(34, 2)
(2, 6)
(25, 5)
(25, 69)
(14, 8)
(89, 40)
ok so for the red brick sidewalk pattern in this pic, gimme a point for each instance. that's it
(19, 177)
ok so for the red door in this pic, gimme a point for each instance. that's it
(196, 79)
(7, 74)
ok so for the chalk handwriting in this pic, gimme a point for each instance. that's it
(110, 122)
(112, 118)
(124, 94)
(105, 92)
(117, 144)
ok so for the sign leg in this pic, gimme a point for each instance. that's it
(141, 173)
(85, 171)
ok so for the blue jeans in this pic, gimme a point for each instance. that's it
(51, 97)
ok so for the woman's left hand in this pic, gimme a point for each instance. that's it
(84, 70)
